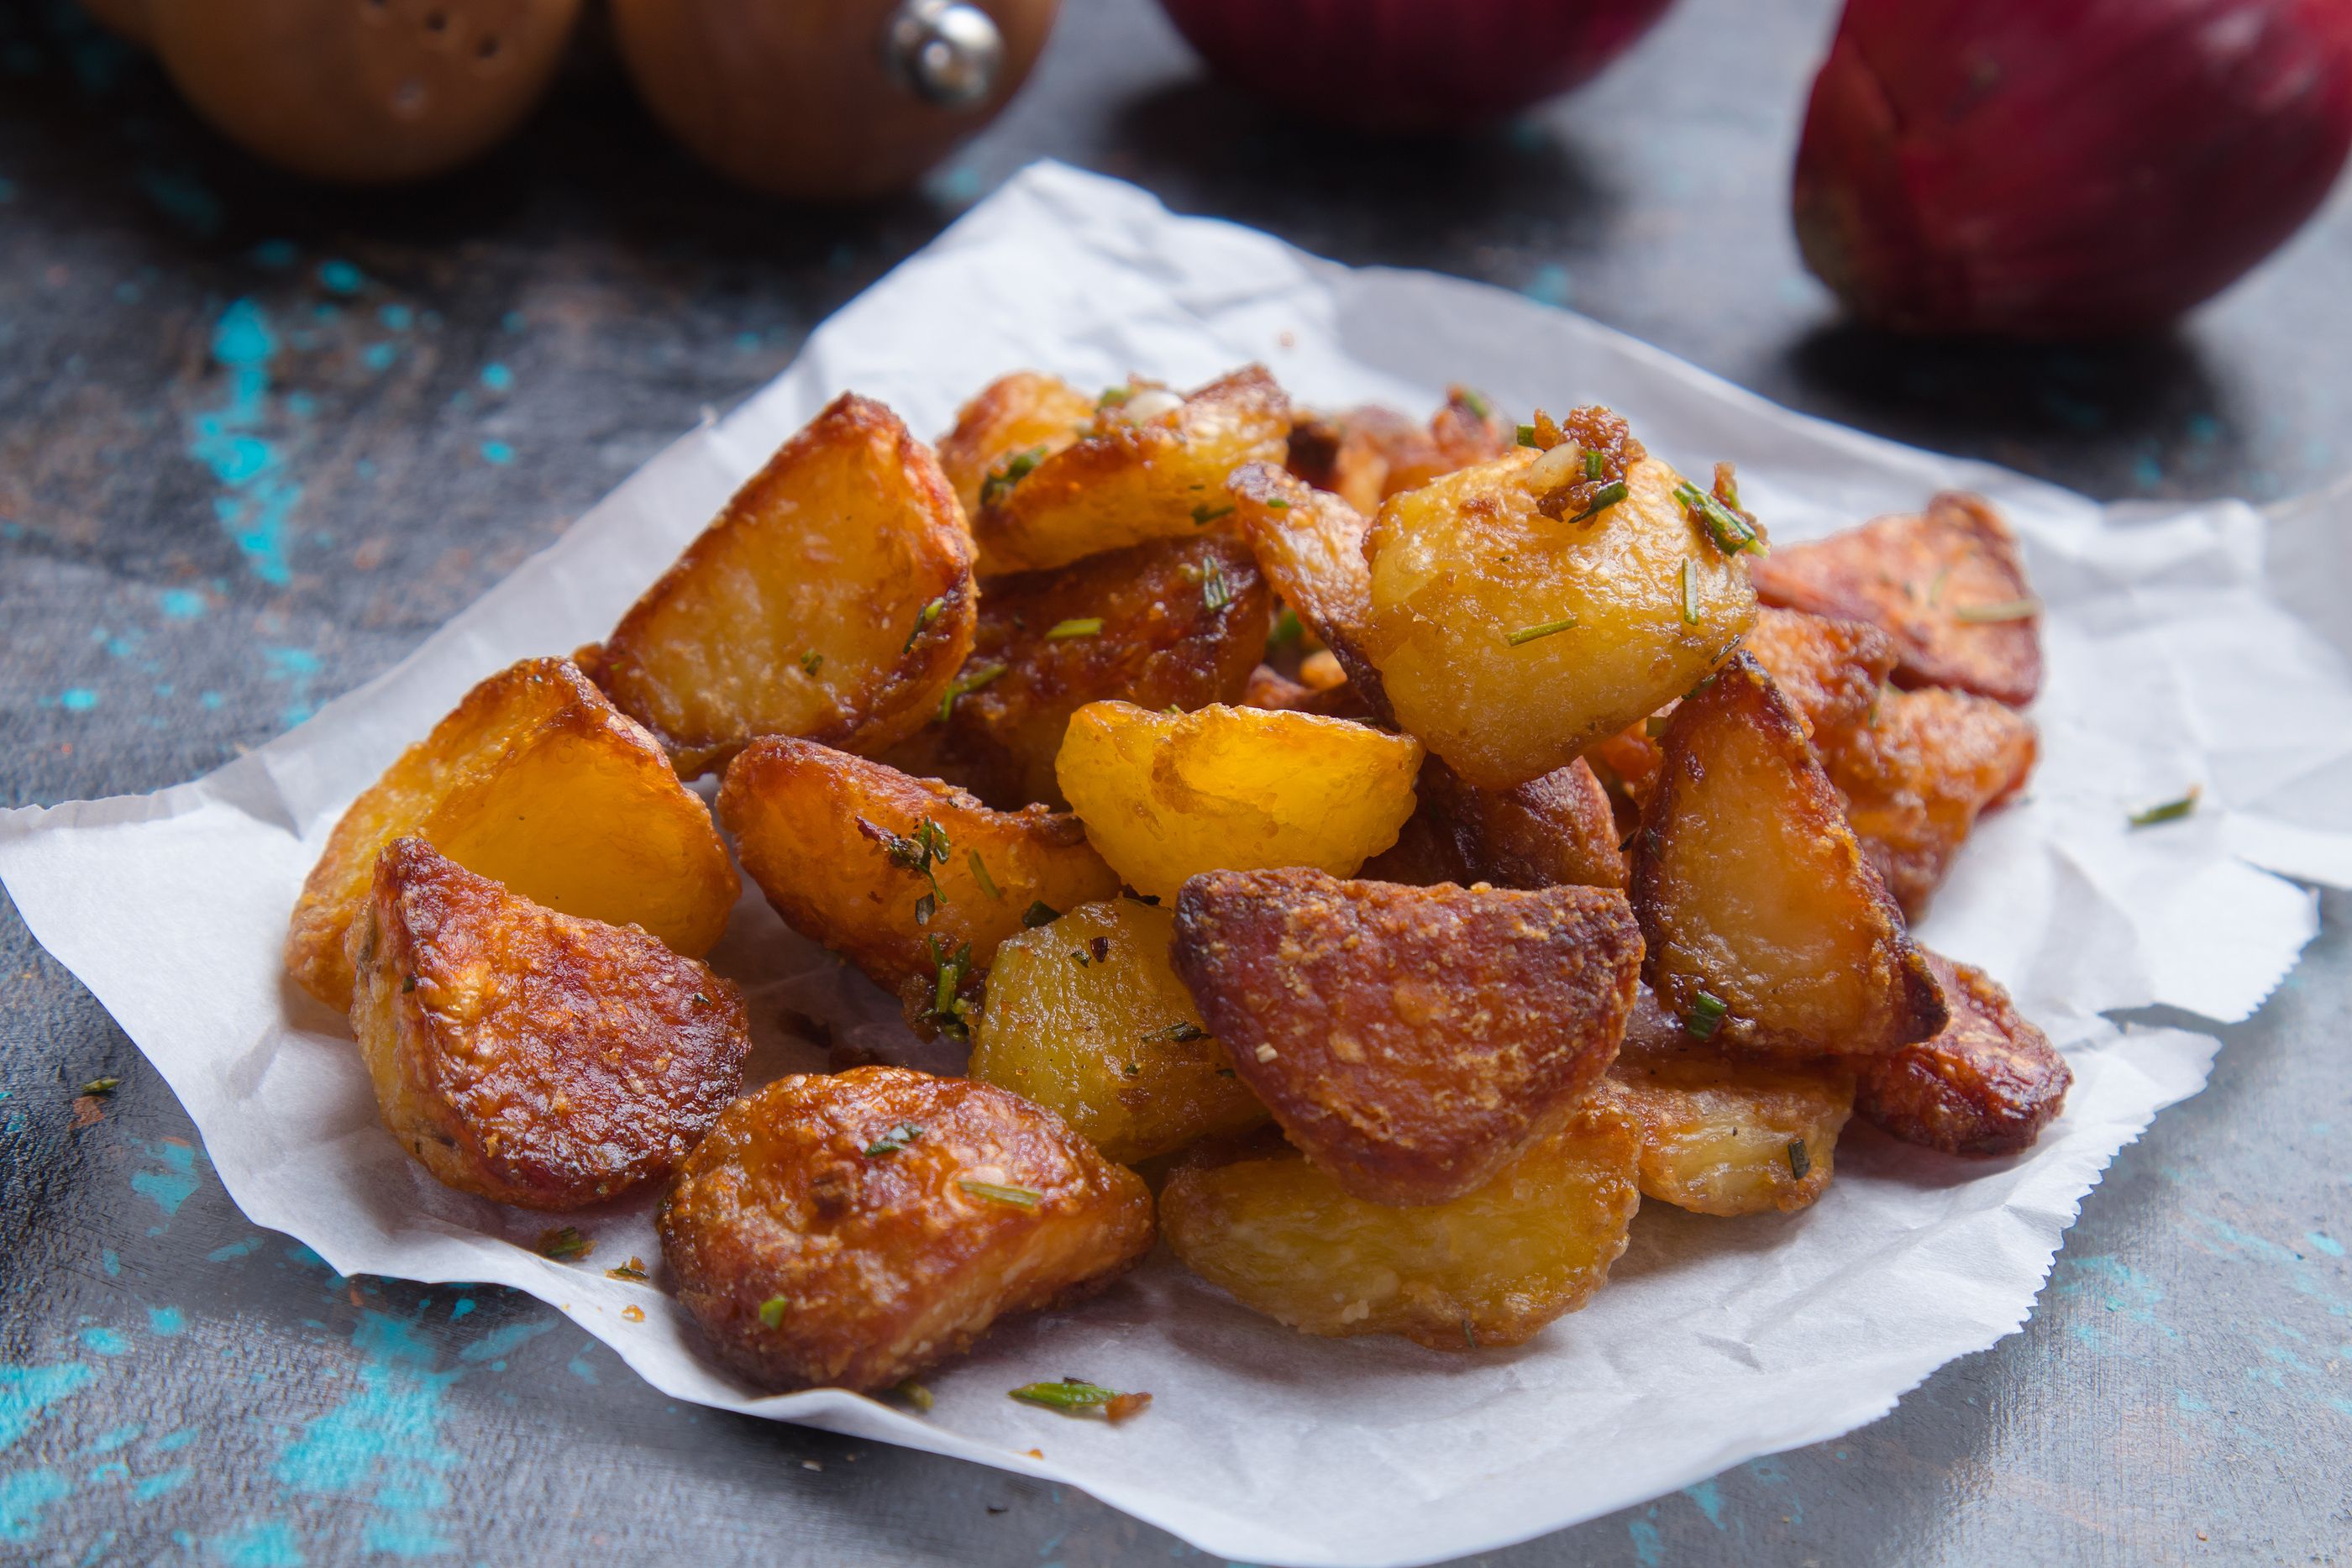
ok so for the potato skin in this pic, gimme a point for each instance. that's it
(831, 599)
(1553, 832)
(1410, 1041)
(1309, 544)
(1086, 1018)
(1751, 887)
(528, 1057)
(886, 1263)
(1913, 577)
(1986, 1086)
(1183, 623)
(1012, 414)
(1488, 1268)
(1917, 778)
(535, 781)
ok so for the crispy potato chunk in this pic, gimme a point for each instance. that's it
(1310, 545)
(528, 1057)
(1509, 641)
(1172, 623)
(1831, 672)
(1553, 832)
(1987, 1085)
(1021, 418)
(913, 881)
(535, 781)
(1490, 1267)
(1367, 454)
(1166, 795)
(1085, 1017)
(1759, 907)
(1916, 778)
(1722, 1134)
(1947, 585)
(852, 1230)
(1412, 1041)
(1269, 688)
(832, 599)
(1148, 470)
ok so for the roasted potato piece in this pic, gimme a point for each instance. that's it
(831, 599)
(528, 1057)
(911, 880)
(1166, 795)
(1947, 585)
(1085, 1017)
(1367, 454)
(1018, 419)
(1723, 1135)
(852, 1230)
(1413, 1041)
(1153, 467)
(1831, 672)
(1552, 832)
(1310, 545)
(1170, 624)
(1917, 777)
(1766, 925)
(535, 781)
(1510, 640)
(1987, 1085)
(1269, 688)
(1490, 1267)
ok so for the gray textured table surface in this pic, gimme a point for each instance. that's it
(256, 441)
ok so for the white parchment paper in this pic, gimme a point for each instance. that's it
(2170, 665)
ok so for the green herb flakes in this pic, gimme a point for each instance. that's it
(914, 1392)
(1082, 626)
(811, 663)
(980, 874)
(100, 1088)
(1039, 913)
(923, 619)
(1690, 594)
(1183, 1030)
(1205, 513)
(564, 1244)
(1529, 633)
(1800, 1162)
(1215, 591)
(964, 686)
(1731, 532)
(772, 1311)
(1705, 1016)
(634, 1271)
(1075, 1396)
(999, 485)
(998, 1192)
(1527, 436)
(2171, 811)
(891, 1141)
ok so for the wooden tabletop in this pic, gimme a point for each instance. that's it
(258, 440)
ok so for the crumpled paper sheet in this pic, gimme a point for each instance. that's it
(2170, 663)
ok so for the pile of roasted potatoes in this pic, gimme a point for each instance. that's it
(1372, 857)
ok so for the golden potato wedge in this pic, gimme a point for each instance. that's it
(1987, 1085)
(1085, 1017)
(1947, 585)
(911, 880)
(852, 1230)
(1491, 1268)
(1766, 925)
(1151, 469)
(1170, 624)
(1166, 795)
(1917, 776)
(1831, 672)
(528, 1057)
(1310, 545)
(1510, 639)
(1018, 420)
(1723, 1135)
(1558, 831)
(1367, 454)
(535, 781)
(832, 599)
(1413, 1041)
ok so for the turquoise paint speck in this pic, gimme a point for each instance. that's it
(112, 1471)
(499, 1342)
(2327, 1244)
(497, 451)
(1549, 286)
(172, 1186)
(106, 1342)
(109, 1261)
(2147, 472)
(27, 1391)
(107, 1442)
(23, 1496)
(173, 1442)
(266, 1544)
(747, 342)
(1649, 1547)
(460, 1307)
(382, 1444)
(513, 321)
(397, 318)
(1709, 1501)
(339, 276)
(959, 185)
(77, 699)
(497, 377)
(211, 699)
(235, 1249)
(222, 439)
(165, 1322)
(578, 1366)
(154, 1487)
(181, 603)
(380, 356)
(274, 254)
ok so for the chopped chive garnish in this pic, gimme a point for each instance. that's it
(997, 1192)
(1731, 532)
(1469, 1331)
(1039, 913)
(1075, 1396)
(102, 1087)
(923, 619)
(949, 970)
(2006, 610)
(1529, 633)
(1690, 594)
(964, 686)
(1595, 465)
(2171, 811)
(811, 663)
(1474, 401)
(1603, 498)
(980, 874)
(1205, 513)
(407, 983)
(1215, 591)
(1527, 436)
(564, 1242)
(917, 851)
(1705, 1016)
(1114, 396)
(1181, 1031)
(912, 1391)
(1000, 484)
(634, 1271)
(1277, 503)
(1656, 725)
(1079, 626)
(891, 1141)
(772, 1311)
(1800, 1162)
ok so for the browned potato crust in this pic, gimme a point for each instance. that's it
(1310, 545)
(528, 1057)
(1270, 689)
(1182, 624)
(1947, 585)
(1491, 1268)
(1413, 1041)
(832, 599)
(1138, 475)
(836, 844)
(1552, 832)
(1723, 1135)
(1752, 890)
(1917, 778)
(852, 1230)
(1987, 1085)
(1024, 412)
(535, 781)
(1831, 672)
(1367, 454)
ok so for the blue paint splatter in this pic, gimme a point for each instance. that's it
(274, 254)
(27, 1391)
(106, 1342)
(181, 603)
(339, 276)
(500, 1341)
(498, 378)
(211, 699)
(265, 1544)
(112, 1471)
(1649, 1547)
(1709, 1500)
(261, 499)
(77, 699)
(235, 1249)
(513, 321)
(154, 1487)
(2328, 1244)
(173, 1442)
(397, 318)
(165, 1322)
(175, 1183)
(497, 451)
(107, 1442)
(383, 1443)
(960, 184)
(23, 1496)
(460, 1307)
(108, 1260)
(380, 356)
(296, 668)
(1549, 286)
(578, 1366)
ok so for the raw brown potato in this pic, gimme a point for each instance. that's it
(1024, 414)
(1412, 1041)
(1553, 832)
(831, 599)
(1723, 1135)
(1172, 623)
(1467, 563)
(1754, 894)
(1367, 454)
(1987, 1085)
(1490, 1267)
(1085, 1017)
(1949, 585)
(1150, 469)
(1166, 795)
(534, 780)
(528, 1057)
(1310, 545)
(1917, 778)
(911, 880)
(852, 1230)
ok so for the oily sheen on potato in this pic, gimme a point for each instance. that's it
(537, 781)
(1917, 778)
(851, 1231)
(1025, 415)
(1986, 1086)
(526, 1056)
